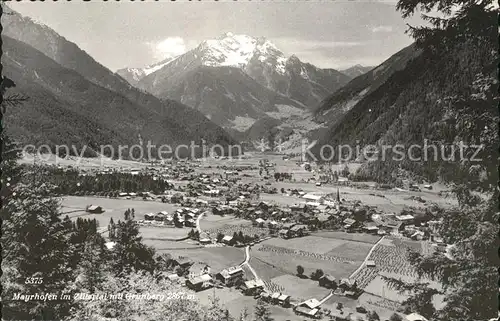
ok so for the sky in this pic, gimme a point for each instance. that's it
(329, 34)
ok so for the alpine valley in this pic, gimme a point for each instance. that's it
(245, 85)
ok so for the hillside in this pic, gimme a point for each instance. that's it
(226, 95)
(66, 108)
(336, 105)
(437, 94)
(98, 89)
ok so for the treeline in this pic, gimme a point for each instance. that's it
(71, 182)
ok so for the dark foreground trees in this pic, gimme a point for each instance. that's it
(47, 255)
(466, 271)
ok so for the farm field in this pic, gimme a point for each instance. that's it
(286, 260)
(356, 251)
(167, 233)
(161, 245)
(217, 258)
(331, 303)
(212, 221)
(357, 237)
(307, 243)
(380, 288)
(335, 256)
(225, 295)
(264, 270)
(392, 259)
(82, 162)
(300, 289)
(384, 308)
(413, 245)
(114, 208)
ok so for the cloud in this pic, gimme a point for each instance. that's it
(168, 47)
(382, 29)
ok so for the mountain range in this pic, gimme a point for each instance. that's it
(241, 83)
(74, 99)
(356, 70)
(231, 89)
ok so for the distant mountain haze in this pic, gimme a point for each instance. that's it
(356, 70)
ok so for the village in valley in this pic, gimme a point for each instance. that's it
(302, 237)
(285, 161)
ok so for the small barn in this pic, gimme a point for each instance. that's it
(94, 209)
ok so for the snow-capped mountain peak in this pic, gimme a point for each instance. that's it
(237, 51)
(134, 75)
(157, 66)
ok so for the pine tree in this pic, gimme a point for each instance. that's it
(36, 243)
(111, 230)
(244, 315)
(262, 312)
(129, 252)
(300, 270)
(93, 262)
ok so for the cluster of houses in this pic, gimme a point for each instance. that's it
(180, 218)
(144, 195)
(276, 298)
(229, 277)
(415, 224)
(290, 230)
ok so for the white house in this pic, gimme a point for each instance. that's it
(312, 197)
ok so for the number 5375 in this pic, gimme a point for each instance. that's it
(33, 280)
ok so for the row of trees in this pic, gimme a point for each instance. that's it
(71, 182)
(282, 176)
(239, 237)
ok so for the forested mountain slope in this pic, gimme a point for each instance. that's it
(161, 121)
(66, 108)
(449, 87)
(332, 108)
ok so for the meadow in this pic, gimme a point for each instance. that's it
(217, 258)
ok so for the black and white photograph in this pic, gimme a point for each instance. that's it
(332, 160)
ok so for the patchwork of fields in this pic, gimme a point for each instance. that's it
(275, 260)
(334, 256)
